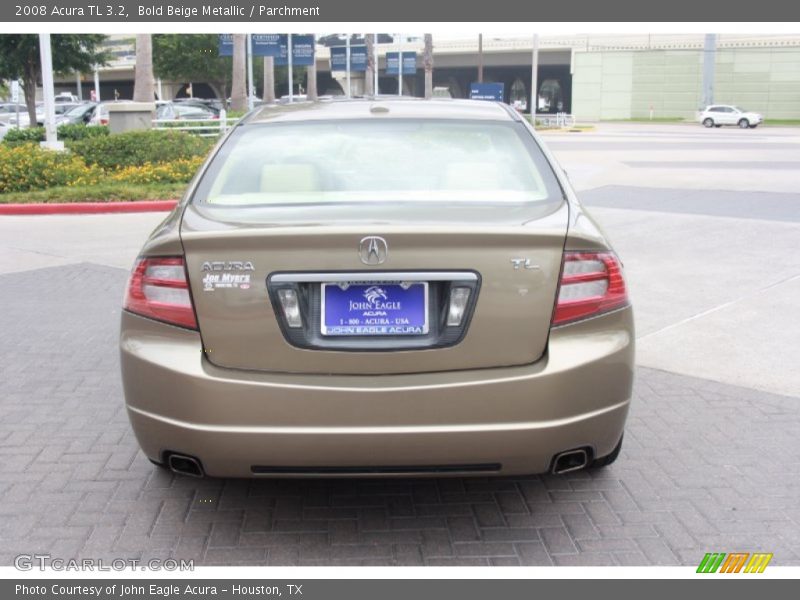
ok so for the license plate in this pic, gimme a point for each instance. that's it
(375, 308)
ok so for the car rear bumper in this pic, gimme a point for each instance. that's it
(508, 420)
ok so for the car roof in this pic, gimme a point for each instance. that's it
(382, 107)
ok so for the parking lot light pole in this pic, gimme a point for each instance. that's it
(400, 66)
(289, 59)
(347, 64)
(96, 84)
(251, 84)
(534, 79)
(50, 139)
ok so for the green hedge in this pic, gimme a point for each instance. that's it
(135, 148)
(65, 133)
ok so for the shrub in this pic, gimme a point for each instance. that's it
(24, 136)
(25, 167)
(138, 148)
(176, 171)
(81, 132)
(65, 133)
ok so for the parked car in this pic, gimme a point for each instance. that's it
(87, 113)
(59, 108)
(185, 111)
(214, 104)
(9, 110)
(79, 114)
(66, 97)
(100, 112)
(718, 115)
(392, 287)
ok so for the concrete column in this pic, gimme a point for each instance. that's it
(709, 61)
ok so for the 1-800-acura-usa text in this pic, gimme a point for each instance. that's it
(378, 287)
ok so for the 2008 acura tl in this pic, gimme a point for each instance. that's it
(378, 287)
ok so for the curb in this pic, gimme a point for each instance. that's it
(86, 208)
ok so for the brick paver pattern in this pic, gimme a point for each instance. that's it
(705, 467)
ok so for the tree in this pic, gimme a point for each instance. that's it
(238, 86)
(192, 57)
(372, 64)
(143, 83)
(311, 71)
(20, 59)
(427, 62)
(269, 79)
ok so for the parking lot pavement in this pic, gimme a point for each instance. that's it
(705, 467)
(714, 277)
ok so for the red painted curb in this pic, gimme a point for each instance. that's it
(78, 208)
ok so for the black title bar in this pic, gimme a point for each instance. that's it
(443, 11)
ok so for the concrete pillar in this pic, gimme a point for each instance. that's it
(709, 61)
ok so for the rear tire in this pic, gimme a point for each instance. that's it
(717, 126)
(744, 124)
(709, 122)
(604, 461)
(753, 126)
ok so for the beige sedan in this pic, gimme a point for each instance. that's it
(378, 287)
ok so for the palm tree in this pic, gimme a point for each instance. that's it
(311, 76)
(143, 87)
(269, 79)
(238, 86)
(427, 62)
(369, 81)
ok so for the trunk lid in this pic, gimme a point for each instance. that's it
(231, 253)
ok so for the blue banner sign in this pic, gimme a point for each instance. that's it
(358, 58)
(268, 44)
(409, 63)
(275, 45)
(226, 44)
(302, 51)
(486, 91)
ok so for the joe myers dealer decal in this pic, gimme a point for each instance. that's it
(226, 274)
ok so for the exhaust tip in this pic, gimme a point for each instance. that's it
(571, 460)
(185, 465)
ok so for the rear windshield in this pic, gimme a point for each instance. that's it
(368, 161)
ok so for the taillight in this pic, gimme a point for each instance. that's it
(591, 284)
(158, 289)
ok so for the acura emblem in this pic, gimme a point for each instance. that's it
(373, 250)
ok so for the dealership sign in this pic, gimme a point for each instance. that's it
(486, 91)
(409, 63)
(358, 58)
(275, 45)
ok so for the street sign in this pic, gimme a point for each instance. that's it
(409, 63)
(358, 58)
(486, 91)
(15, 91)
